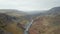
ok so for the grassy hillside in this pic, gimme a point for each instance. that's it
(9, 24)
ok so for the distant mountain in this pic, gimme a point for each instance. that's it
(13, 12)
(54, 11)
(36, 12)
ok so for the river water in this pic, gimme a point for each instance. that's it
(28, 25)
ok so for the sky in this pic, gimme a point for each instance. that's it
(29, 5)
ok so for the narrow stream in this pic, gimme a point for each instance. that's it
(28, 25)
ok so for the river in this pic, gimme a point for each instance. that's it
(28, 25)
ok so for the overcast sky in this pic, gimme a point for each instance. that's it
(29, 5)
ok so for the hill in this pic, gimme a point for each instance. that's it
(47, 23)
(13, 12)
(9, 25)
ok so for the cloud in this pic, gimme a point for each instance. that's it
(28, 4)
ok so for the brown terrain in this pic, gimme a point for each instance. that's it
(46, 25)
